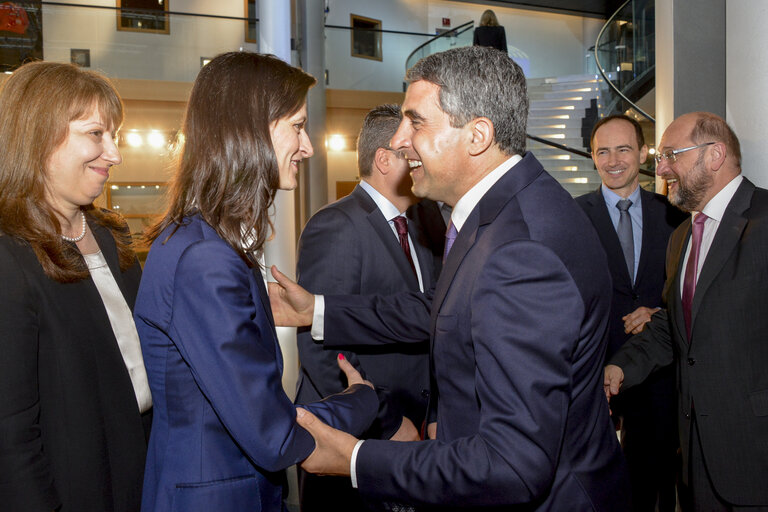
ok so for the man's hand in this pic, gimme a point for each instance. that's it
(432, 430)
(353, 376)
(333, 448)
(614, 376)
(292, 305)
(636, 320)
(406, 432)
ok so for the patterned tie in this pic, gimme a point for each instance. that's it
(401, 225)
(689, 281)
(450, 237)
(624, 230)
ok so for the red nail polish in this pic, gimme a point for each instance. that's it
(341, 356)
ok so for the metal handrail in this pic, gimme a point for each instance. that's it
(602, 72)
(453, 32)
(559, 146)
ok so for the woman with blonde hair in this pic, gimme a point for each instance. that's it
(76, 406)
(224, 430)
(490, 33)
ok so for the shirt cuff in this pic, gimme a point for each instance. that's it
(318, 319)
(353, 464)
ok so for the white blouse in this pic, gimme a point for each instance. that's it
(121, 319)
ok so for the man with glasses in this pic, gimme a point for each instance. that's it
(376, 240)
(715, 328)
(634, 227)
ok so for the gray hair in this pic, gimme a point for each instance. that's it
(379, 126)
(476, 81)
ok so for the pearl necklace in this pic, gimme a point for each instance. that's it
(79, 237)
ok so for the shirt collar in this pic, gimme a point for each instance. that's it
(611, 197)
(384, 205)
(468, 201)
(715, 208)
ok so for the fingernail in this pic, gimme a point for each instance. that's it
(300, 412)
(341, 356)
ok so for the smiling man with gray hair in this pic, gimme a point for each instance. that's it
(517, 320)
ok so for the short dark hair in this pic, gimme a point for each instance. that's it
(227, 170)
(476, 81)
(621, 117)
(379, 126)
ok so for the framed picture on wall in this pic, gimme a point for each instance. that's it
(365, 37)
(143, 16)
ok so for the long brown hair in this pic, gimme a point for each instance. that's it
(227, 170)
(37, 103)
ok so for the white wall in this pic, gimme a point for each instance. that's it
(747, 83)
(553, 44)
(124, 54)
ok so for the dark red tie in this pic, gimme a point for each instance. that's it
(689, 280)
(401, 225)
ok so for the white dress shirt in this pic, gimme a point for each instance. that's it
(714, 209)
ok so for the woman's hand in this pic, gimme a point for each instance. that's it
(353, 376)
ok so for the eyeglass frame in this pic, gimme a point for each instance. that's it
(670, 155)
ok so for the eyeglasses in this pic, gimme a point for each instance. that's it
(670, 155)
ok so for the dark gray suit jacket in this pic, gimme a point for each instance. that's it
(723, 369)
(348, 247)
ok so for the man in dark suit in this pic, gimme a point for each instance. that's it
(634, 226)
(518, 315)
(714, 328)
(353, 246)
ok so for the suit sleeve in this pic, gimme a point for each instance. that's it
(526, 314)
(330, 262)
(645, 352)
(25, 479)
(224, 336)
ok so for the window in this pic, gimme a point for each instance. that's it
(366, 37)
(143, 16)
(21, 33)
(251, 36)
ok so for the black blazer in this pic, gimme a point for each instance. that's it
(349, 247)
(723, 369)
(494, 37)
(660, 218)
(70, 426)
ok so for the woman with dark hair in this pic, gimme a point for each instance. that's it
(224, 429)
(75, 407)
(490, 33)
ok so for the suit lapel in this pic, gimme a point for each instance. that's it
(486, 210)
(383, 230)
(650, 223)
(727, 237)
(109, 251)
(677, 255)
(601, 219)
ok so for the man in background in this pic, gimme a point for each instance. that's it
(377, 240)
(634, 227)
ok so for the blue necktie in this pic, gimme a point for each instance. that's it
(624, 230)
(450, 237)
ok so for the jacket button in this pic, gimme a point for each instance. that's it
(687, 415)
(691, 361)
(425, 393)
(635, 297)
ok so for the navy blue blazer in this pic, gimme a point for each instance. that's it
(223, 430)
(349, 247)
(517, 322)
